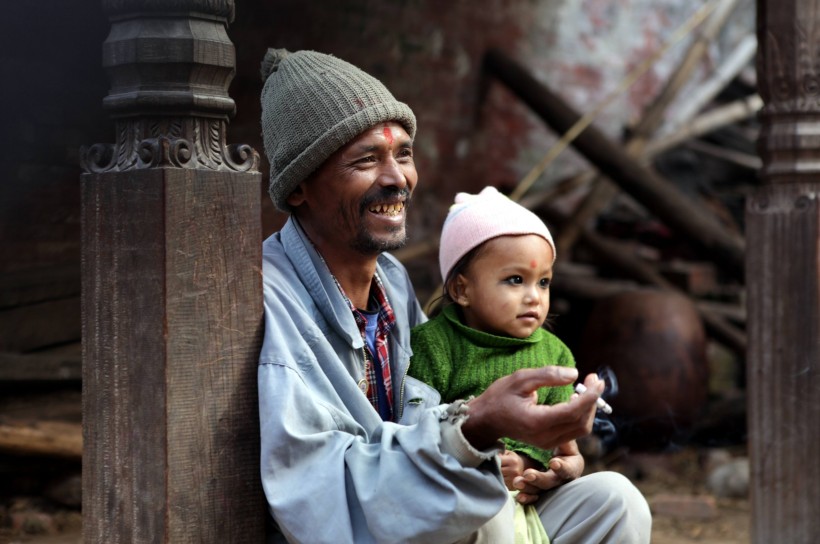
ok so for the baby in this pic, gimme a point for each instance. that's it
(496, 260)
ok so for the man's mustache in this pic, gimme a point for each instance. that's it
(385, 194)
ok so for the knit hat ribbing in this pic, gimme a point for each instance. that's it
(474, 219)
(312, 105)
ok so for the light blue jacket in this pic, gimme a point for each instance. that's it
(332, 470)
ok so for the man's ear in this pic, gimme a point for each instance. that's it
(297, 196)
(457, 289)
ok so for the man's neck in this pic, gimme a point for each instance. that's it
(355, 279)
(353, 270)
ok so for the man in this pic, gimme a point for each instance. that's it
(353, 450)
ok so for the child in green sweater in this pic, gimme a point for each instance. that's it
(496, 260)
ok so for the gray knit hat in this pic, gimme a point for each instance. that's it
(312, 105)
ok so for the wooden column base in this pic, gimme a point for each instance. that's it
(172, 322)
(784, 361)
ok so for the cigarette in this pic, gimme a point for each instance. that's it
(601, 403)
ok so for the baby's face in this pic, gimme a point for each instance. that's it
(506, 289)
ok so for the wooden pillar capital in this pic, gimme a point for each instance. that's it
(789, 83)
(170, 64)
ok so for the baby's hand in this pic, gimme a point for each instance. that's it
(512, 466)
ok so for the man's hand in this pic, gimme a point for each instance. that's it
(566, 464)
(509, 408)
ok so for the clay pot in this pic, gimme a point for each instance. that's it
(654, 343)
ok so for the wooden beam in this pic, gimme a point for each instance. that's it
(644, 185)
(172, 293)
(783, 280)
(47, 438)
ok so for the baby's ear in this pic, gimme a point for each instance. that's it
(458, 291)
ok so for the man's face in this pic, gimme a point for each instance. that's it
(358, 198)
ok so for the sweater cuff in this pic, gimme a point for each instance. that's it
(453, 441)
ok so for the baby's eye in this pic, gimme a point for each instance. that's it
(544, 283)
(514, 280)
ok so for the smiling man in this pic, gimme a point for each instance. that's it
(354, 205)
(353, 449)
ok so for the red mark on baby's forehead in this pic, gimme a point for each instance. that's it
(388, 135)
(533, 264)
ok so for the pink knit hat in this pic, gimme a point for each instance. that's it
(474, 219)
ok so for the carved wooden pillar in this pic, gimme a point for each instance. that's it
(172, 298)
(783, 278)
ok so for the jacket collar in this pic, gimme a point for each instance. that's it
(319, 282)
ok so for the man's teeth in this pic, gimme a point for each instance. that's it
(388, 209)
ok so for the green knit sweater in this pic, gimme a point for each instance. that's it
(460, 361)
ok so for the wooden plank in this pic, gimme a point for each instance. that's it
(653, 117)
(33, 326)
(48, 438)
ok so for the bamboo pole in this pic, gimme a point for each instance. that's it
(705, 123)
(735, 62)
(752, 162)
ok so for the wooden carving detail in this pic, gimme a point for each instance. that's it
(170, 63)
(791, 93)
(170, 143)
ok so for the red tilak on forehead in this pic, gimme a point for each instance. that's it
(388, 135)
(532, 263)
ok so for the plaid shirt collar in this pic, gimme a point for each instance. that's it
(379, 361)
